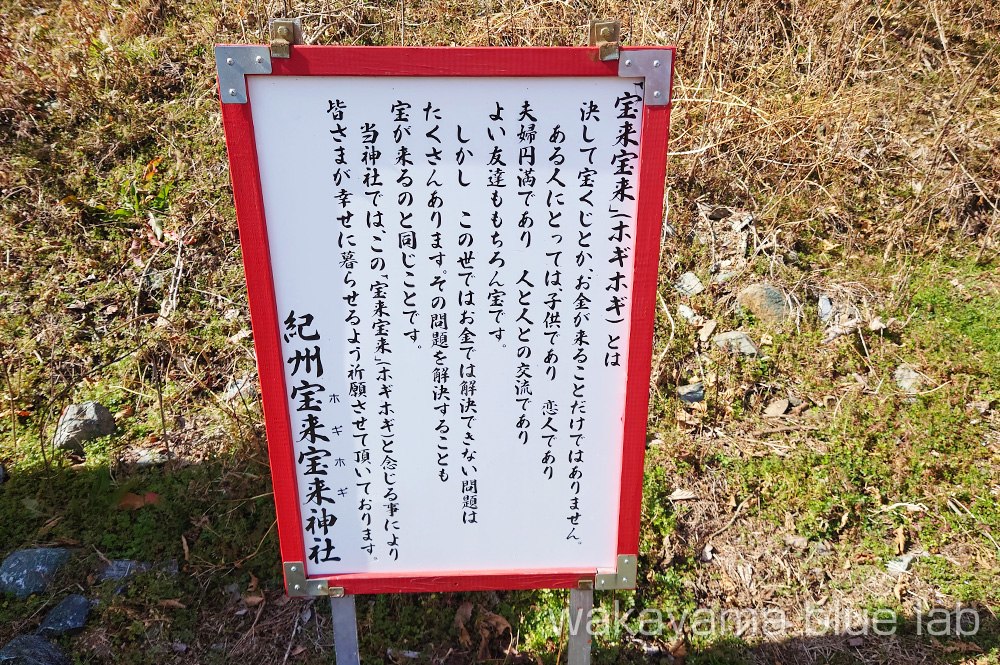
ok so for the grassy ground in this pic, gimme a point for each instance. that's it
(863, 138)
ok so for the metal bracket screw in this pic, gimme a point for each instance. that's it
(624, 577)
(606, 35)
(234, 63)
(655, 67)
(285, 32)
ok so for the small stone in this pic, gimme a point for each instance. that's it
(719, 213)
(795, 542)
(825, 308)
(855, 641)
(80, 423)
(29, 571)
(736, 341)
(691, 393)
(32, 650)
(242, 389)
(67, 616)
(707, 553)
(706, 331)
(900, 564)
(766, 302)
(689, 284)
(121, 569)
(723, 277)
(907, 378)
(688, 315)
(776, 409)
(824, 548)
(794, 401)
(147, 458)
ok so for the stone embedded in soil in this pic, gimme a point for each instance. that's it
(776, 408)
(80, 423)
(825, 308)
(795, 542)
(689, 284)
(766, 302)
(32, 650)
(736, 341)
(688, 314)
(693, 392)
(29, 571)
(69, 615)
(121, 569)
(907, 378)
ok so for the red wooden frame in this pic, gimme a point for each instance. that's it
(443, 61)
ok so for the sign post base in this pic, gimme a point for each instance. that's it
(345, 630)
(581, 602)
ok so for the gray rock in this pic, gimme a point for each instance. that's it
(688, 314)
(900, 564)
(80, 423)
(736, 341)
(121, 569)
(241, 389)
(907, 378)
(32, 650)
(825, 308)
(689, 284)
(723, 277)
(29, 571)
(776, 408)
(147, 458)
(693, 392)
(67, 616)
(766, 302)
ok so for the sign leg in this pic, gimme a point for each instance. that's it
(581, 602)
(345, 630)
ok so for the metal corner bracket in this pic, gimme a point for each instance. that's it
(622, 578)
(655, 66)
(285, 32)
(606, 36)
(234, 63)
(297, 585)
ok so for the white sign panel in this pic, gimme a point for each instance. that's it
(452, 261)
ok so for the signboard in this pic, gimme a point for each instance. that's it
(451, 260)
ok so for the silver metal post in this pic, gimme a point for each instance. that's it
(345, 630)
(581, 602)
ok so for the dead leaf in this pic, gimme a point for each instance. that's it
(795, 542)
(135, 253)
(297, 650)
(463, 614)
(900, 587)
(682, 495)
(150, 169)
(172, 604)
(127, 412)
(254, 582)
(901, 540)
(253, 601)
(187, 552)
(48, 526)
(958, 646)
(132, 501)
